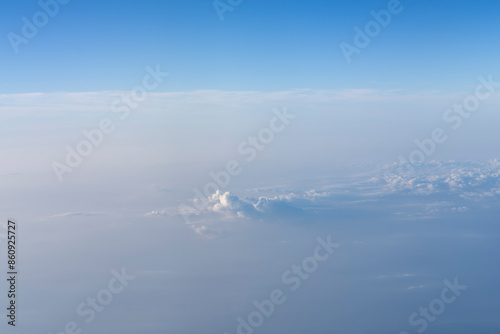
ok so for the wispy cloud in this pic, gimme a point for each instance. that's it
(53, 103)
(72, 214)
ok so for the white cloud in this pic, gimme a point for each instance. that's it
(396, 276)
(473, 177)
(73, 214)
(17, 105)
(436, 189)
(415, 287)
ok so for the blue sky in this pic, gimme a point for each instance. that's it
(261, 45)
(210, 185)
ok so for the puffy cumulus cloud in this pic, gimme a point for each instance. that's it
(230, 205)
(278, 206)
(470, 178)
(435, 189)
(207, 217)
(226, 205)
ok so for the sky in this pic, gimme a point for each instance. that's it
(251, 166)
(260, 45)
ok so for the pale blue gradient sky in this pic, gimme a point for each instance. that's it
(330, 171)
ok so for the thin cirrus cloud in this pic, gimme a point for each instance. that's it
(89, 101)
(71, 215)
